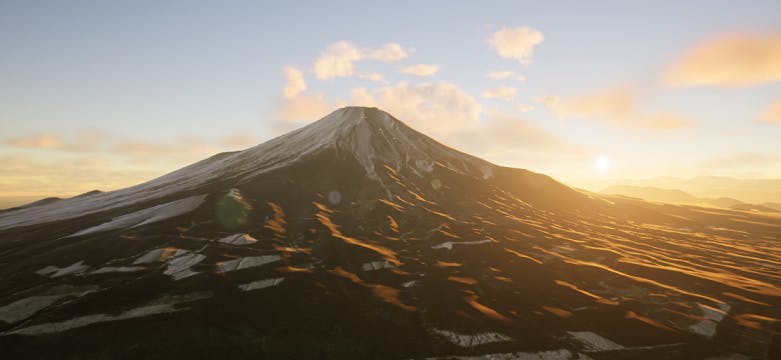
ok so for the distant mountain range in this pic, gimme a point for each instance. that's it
(675, 196)
(752, 191)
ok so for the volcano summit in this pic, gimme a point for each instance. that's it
(359, 237)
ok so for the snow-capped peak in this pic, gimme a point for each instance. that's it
(370, 135)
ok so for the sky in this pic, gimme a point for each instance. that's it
(108, 94)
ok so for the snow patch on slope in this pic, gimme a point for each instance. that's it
(161, 306)
(179, 267)
(594, 342)
(261, 284)
(238, 239)
(449, 244)
(147, 216)
(117, 269)
(560, 354)
(246, 262)
(25, 308)
(713, 316)
(376, 265)
(161, 254)
(55, 272)
(469, 340)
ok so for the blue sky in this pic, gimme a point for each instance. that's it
(154, 85)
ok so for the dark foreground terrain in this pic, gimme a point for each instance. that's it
(358, 238)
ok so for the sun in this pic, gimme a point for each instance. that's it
(601, 163)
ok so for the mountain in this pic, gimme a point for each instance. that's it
(651, 193)
(755, 191)
(358, 237)
(674, 196)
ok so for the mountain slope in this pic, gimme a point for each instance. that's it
(358, 237)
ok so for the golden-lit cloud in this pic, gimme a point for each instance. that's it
(390, 52)
(373, 76)
(773, 113)
(85, 141)
(421, 70)
(22, 174)
(501, 75)
(181, 150)
(41, 141)
(524, 108)
(337, 61)
(548, 100)
(730, 61)
(740, 159)
(305, 107)
(666, 122)
(295, 83)
(498, 75)
(500, 92)
(516, 43)
(430, 107)
(238, 141)
(615, 107)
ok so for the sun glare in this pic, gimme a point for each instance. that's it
(601, 163)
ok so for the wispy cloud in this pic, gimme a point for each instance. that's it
(773, 113)
(421, 70)
(430, 107)
(85, 141)
(339, 58)
(295, 83)
(238, 141)
(304, 107)
(372, 76)
(501, 92)
(616, 107)
(498, 75)
(40, 141)
(516, 43)
(390, 52)
(730, 61)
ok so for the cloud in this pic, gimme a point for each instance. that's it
(390, 52)
(773, 113)
(666, 122)
(739, 160)
(498, 75)
(730, 61)
(41, 141)
(182, 149)
(85, 141)
(295, 81)
(429, 107)
(548, 100)
(516, 43)
(30, 176)
(374, 76)
(338, 59)
(304, 107)
(501, 92)
(512, 140)
(421, 70)
(238, 141)
(524, 108)
(615, 107)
